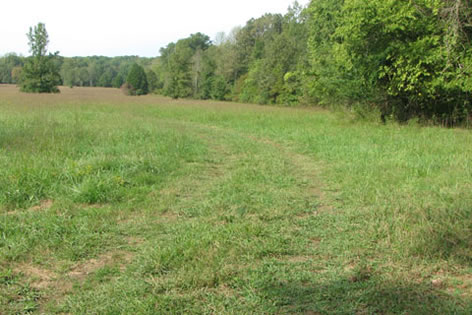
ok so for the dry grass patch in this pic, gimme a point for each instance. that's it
(43, 205)
(39, 277)
(83, 270)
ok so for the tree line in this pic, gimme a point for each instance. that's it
(94, 71)
(398, 59)
(262, 62)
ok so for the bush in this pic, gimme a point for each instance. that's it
(137, 81)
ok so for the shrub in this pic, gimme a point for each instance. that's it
(137, 81)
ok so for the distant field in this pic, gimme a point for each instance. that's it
(146, 205)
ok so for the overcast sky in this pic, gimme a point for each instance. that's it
(131, 27)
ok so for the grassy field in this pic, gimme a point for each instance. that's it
(147, 205)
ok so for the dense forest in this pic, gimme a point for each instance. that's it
(396, 59)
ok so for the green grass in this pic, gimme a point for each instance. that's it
(146, 205)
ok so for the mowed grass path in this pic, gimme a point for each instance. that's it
(147, 205)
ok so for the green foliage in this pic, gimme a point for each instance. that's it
(292, 90)
(402, 56)
(137, 80)
(99, 70)
(153, 81)
(328, 79)
(118, 81)
(219, 89)
(183, 66)
(10, 65)
(40, 73)
(279, 48)
(38, 40)
(106, 79)
(248, 65)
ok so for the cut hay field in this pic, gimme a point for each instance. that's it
(146, 205)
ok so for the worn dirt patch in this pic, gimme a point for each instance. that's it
(461, 283)
(43, 205)
(120, 258)
(297, 259)
(40, 278)
(134, 240)
(225, 291)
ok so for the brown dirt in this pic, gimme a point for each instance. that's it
(43, 205)
(298, 259)
(462, 283)
(133, 240)
(81, 271)
(225, 290)
(40, 278)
